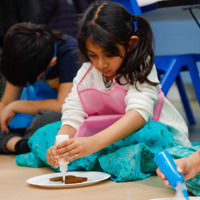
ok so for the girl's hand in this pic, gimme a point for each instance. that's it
(75, 148)
(51, 157)
(7, 115)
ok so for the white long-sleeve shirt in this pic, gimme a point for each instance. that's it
(141, 100)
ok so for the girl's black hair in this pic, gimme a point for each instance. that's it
(109, 24)
(27, 51)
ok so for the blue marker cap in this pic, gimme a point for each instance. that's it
(168, 167)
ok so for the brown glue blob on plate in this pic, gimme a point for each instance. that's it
(69, 179)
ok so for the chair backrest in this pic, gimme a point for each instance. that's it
(131, 5)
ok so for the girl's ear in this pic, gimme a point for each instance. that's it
(132, 41)
(53, 61)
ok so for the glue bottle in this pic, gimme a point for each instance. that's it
(168, 167)
(63, 164)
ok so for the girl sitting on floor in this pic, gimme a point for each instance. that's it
(116, 114)
(116, 92)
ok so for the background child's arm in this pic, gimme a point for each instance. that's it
(32, 107)
(11, 93)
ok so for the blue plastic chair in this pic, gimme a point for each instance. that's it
(169, 67)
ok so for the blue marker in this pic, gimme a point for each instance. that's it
(168, 167)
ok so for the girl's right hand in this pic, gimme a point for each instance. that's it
(51, 157)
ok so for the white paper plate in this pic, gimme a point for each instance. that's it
(174, 198)
(92, 177)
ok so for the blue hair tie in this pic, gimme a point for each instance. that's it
(54, 55)
(55, 50)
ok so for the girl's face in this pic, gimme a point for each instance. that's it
(107, 65)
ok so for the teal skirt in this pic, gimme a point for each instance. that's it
(128, 159)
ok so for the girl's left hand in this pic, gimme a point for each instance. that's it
(51, 156)
(75, 148)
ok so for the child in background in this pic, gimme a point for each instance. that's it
(189, 167)
(28, 55)
(116, 92)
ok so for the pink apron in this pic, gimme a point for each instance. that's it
(105, 108)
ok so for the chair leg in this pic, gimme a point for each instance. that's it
(194, 73)
(185, 101)
(169, 76)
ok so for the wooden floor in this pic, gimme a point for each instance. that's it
(13, 186)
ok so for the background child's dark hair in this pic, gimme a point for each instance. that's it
(109, 24)
(27, 51)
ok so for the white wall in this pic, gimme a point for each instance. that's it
(175, 31)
